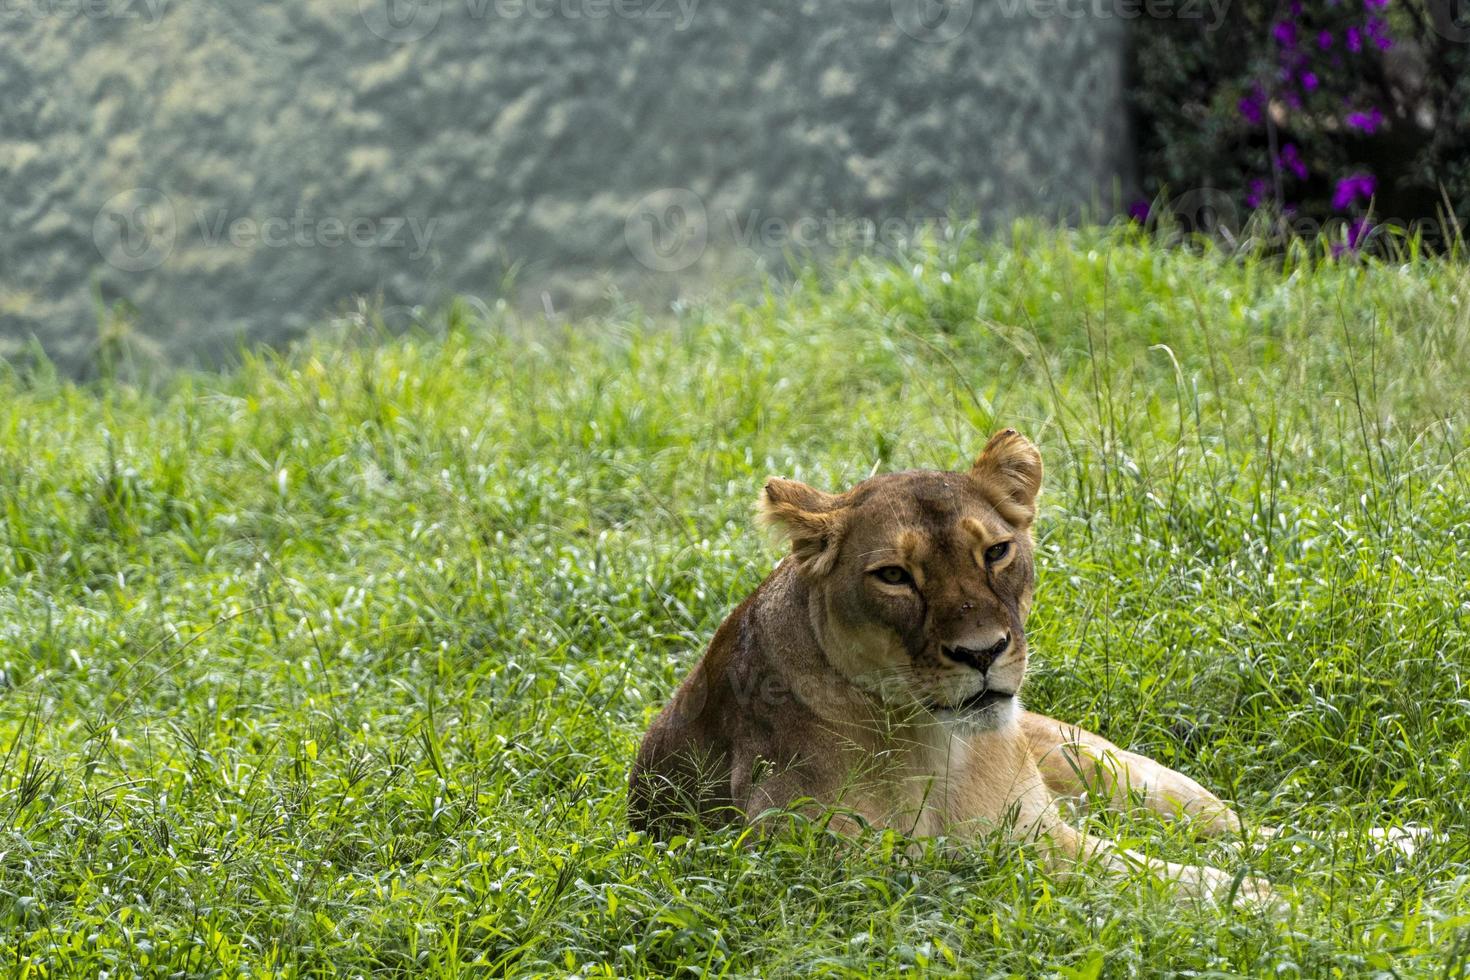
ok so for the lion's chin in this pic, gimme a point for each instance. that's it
(982, 712)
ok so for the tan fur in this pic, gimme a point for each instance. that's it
(855, 677)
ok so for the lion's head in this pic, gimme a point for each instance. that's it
(920, 582)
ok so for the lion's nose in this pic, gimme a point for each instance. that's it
(980, 659)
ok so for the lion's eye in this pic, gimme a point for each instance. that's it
(997, 552)
(894, 575)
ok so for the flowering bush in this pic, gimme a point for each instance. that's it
(1344, 114)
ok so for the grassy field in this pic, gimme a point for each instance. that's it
(335, 663)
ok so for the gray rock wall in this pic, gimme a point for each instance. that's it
(245, 169)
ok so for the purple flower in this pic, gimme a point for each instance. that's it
(1375, 4)
(1251, 105)
(1296, 8)
(1350, 188)
(1309, 81)
(1378, 31)
(1324, 40)
(1292, 160)
(1354, 39)
(1256, 195)
(1367, 122)
(1138, 210)
(1285, 34)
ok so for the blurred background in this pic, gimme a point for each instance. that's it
(180, 179)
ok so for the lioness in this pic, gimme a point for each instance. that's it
(876, 670)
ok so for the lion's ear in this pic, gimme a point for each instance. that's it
(809, 518)
(1009, 468)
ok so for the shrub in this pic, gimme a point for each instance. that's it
(1348, 111)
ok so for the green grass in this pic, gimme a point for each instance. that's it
(335, 663)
